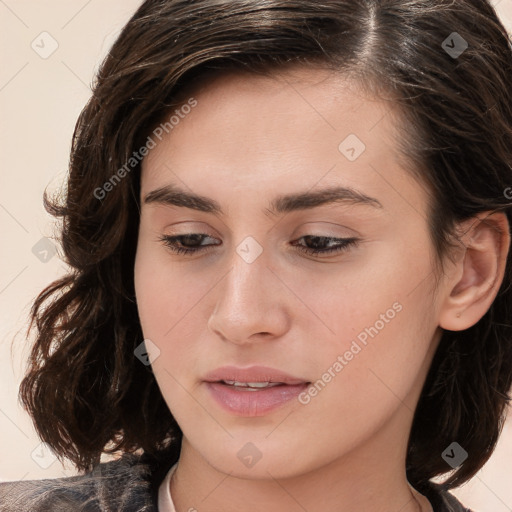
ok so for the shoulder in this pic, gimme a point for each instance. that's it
(442, 500)
(126, 484)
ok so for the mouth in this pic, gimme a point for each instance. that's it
(253, 391)
(251, 386)
(254, 377)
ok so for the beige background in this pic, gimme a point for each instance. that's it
(40, 99)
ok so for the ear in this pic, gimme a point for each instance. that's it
(478, 271)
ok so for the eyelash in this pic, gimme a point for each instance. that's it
(343, 245)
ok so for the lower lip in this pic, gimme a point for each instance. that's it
(242, 402)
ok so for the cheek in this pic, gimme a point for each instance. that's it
(163, 291)
(163, 314)
(169, 299)
(389, 340)
(389, 286)
(382, 321)
(373, 366)
(146, 290)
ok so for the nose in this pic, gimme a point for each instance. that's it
(250, 303)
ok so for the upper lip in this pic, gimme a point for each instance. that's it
(252, 374)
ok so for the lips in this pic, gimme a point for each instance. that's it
(254, 391)
(231, 375)
(251, 386)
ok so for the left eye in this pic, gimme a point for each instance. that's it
(327, 244)
(191, 243)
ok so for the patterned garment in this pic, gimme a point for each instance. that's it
(129, 484)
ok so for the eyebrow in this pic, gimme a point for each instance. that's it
(175, 196)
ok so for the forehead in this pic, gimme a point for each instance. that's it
(296, 128)
(316, 96)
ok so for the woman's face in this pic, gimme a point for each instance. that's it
(282, 166)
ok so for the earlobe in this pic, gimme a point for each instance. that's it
(479, 271)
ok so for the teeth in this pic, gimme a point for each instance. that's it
(257, 385)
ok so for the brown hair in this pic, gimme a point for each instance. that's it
(86, 391)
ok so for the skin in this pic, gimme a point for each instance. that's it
(249, 139)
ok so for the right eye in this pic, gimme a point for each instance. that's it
(186, 244)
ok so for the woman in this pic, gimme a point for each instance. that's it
(289, 224)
